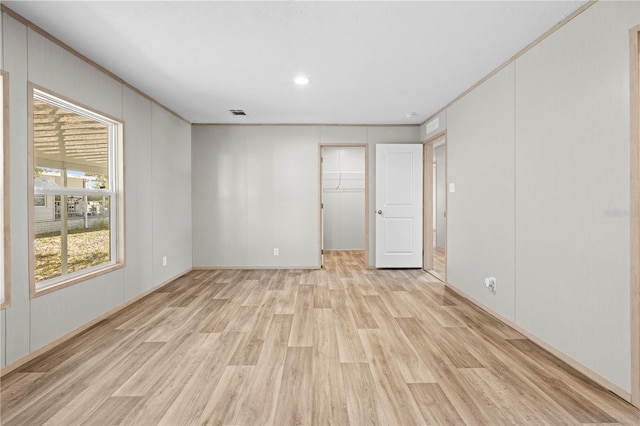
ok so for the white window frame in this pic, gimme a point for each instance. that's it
(114, 192)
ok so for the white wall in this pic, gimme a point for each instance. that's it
(17, 321)
(480, 149)
(539, 154)
(256, 188)
(572, 100)
(343, 190)
(139, 242)
(154, 140)
(253, 191)
(171, 194)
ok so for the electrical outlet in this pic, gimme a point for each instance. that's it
(490, 283)
(164, 260)
(276, 252)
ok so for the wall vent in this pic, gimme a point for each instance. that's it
(433, 125)
(237, 112)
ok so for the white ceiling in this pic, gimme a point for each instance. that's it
(369, 62)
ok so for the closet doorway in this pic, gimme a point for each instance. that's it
(435, 210)
(343, 203)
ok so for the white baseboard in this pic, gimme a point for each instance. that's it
(218, 268)
(602, 381)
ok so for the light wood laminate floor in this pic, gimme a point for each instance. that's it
(337, 346)
(439, 263)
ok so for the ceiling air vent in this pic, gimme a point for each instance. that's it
(237, 112)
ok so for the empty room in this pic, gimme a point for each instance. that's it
(305, 213)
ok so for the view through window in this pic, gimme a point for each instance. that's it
(75, 181)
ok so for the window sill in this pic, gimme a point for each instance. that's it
(75, 280)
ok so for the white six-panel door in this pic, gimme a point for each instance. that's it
(399, 205)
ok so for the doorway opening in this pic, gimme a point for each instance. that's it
(435, 211)
(344, 199)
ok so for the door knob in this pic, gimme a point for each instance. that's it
(379, 211)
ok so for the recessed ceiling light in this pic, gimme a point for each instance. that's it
(302, 80)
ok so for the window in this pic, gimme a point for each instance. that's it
(76, 212)
(5, 293)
